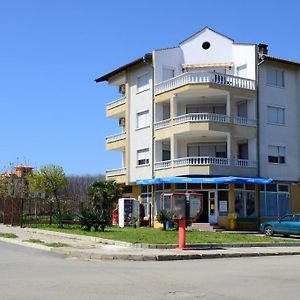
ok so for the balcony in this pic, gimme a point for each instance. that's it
(116, 141)
(205, 123)
(119, 175)
(205, 165)
(201, 117)
(201, 161)
(204, 78)
(116, 107)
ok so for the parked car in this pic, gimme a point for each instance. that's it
(289, 224)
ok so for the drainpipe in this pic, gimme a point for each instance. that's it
(258, 118)
(152, 140)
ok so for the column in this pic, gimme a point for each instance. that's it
(231, 200)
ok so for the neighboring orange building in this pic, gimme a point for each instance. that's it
(20, 171)
(23, 170)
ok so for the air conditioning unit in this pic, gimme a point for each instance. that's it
(122, 122)
(122, 89)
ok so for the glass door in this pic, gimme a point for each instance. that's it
(213, 207)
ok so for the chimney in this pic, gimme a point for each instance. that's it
(262, 48)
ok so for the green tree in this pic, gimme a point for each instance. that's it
(104, 195)
(49, 179)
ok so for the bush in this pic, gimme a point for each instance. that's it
(93, 219)
(63, 218)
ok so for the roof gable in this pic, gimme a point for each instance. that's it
(200, 32)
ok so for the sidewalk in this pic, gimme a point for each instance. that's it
(92, 248)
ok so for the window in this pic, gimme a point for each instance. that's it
(275, 77)
(242, 110)
(142, 82)
(245, 203)
(276, 115)
(206, 45)
(142, 119)
(197, 150)
(143, 157)
(274, 200)
(276, 155)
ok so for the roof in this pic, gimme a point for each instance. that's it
(203, 30)
(23, 167)
(146, 58)
(278, 59)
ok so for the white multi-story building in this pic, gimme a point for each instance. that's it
(210, 108)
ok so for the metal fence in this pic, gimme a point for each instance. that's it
(35, 211)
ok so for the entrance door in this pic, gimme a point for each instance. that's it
(203, 218)
(213, 207)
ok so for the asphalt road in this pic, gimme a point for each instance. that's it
(27, 273)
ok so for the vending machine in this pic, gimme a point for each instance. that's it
(128, 211)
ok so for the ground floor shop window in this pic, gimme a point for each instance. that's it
(245, 203)
(223, 203)
(274, 200)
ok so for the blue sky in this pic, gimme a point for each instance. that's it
(51, 51)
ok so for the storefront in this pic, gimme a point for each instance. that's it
(222, 197)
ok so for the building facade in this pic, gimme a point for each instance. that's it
(210, 108)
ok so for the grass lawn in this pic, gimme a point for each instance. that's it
(159, 236)
(8, 235)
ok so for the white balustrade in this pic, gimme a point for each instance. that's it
(162, 124)
(205, 161)
(115, 103)
(163, 164)
(204, 77)
(115, 137)
(116, 172)
(244, 121)
(202, 117)
(244, 163)
(201, 161)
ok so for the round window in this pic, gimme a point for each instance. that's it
(206, 45)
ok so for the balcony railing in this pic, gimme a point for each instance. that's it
(244, 163)
(201, 161)
(244, 121)
(116, 172)
(205, 117)
(204, 77)
(115, 103)
(205, 161)
(163, 164)
(162, 124)
(201, 117)
(115, 137)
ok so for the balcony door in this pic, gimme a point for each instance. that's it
(196, 150)
(204, 108)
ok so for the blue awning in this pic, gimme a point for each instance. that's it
(227, 179)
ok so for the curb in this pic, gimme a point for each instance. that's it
(25, 244)
(84, 255)
(164, 257)
(202, 246)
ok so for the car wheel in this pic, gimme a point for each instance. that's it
(268, 230)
